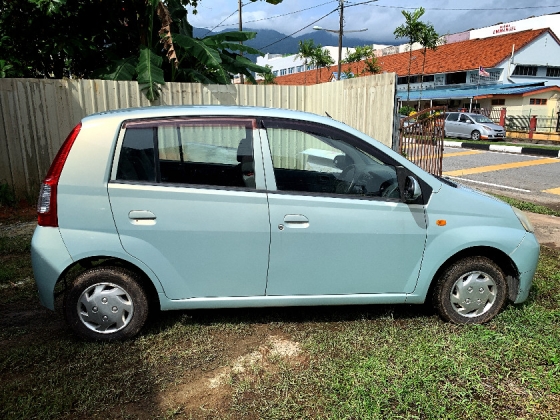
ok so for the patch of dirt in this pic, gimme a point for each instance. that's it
(36, 321)
(19, 228)
(20, 213)
(211, 390)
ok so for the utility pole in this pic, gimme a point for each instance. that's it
(241, 78)
(340, 31)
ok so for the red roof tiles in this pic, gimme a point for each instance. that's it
(459, 56)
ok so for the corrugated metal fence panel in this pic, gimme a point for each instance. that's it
(38, 114)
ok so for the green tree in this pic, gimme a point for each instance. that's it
(412, 30)
(306, 52)
(321, 58)
(268, 78)
(366, 54)
(429, 39)
(73, 38)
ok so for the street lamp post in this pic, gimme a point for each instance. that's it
(340, 33)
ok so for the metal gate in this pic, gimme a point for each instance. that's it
(421, 139)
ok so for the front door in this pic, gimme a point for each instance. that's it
(185, 202)
(338, 226)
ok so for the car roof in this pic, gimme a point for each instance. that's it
(208, 110)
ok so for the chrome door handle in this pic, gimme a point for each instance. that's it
(296, 221)
(142, 217)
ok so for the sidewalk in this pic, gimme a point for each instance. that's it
(526, 150)
(547, 229)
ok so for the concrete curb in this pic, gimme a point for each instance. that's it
(508, 149)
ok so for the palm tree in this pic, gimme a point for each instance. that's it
(429, 40)
(322, 58)
(366, 54)
(411, 29)
(268, 78)
(306, 52)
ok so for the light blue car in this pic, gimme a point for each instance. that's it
(228, 207)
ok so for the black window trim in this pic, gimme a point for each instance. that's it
(273, 122)
(156, 122)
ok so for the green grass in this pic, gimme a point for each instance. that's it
(363, 362)
(502, 143)
(528, 206)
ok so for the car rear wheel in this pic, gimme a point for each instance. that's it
(471, 291)
(475, 135)
(106, 304)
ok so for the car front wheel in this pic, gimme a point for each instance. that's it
(106, 304)
(475, 135)
(471, 291)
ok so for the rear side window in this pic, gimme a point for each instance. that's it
(452, 116)
(211, 151)
(137, 159)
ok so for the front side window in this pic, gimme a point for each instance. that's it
(312, 159)
(482, 119)
(212, 151)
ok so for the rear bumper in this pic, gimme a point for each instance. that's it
(49, 258)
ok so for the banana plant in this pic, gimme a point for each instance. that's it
(174, 54)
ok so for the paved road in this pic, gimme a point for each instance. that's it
(530, 178)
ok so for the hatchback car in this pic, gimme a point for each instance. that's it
(472, 126)
(227, 207)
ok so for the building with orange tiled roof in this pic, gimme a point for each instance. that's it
(519, 58)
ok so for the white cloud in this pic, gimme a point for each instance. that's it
(381, 18)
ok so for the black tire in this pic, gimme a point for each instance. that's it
(475, 135)
(106, 304)
(471, 291)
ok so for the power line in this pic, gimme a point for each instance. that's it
(299, 30)
(455, 9)
(291, 13)
(232, 13)
(271, 17)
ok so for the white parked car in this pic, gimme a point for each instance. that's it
(472, 126)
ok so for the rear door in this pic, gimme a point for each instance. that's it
(188, 200)
(338, 226)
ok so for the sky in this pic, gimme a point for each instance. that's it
(379, 17)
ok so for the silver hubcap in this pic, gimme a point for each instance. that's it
(105, 308)
(473, 294)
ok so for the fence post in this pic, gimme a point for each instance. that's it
(503, 117)
(558, 122)
(532, 126)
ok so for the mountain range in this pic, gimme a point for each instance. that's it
(274, 42)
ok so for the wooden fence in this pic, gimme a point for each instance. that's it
(36, 115)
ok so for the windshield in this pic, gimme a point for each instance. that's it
(481, 119)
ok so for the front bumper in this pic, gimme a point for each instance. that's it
(526, 258)
(493, 136)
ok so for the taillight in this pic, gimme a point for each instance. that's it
(46, 205)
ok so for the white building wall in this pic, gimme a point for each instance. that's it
(537, 22)
(290, 64)
(543, 52)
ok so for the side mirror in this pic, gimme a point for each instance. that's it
(412, 189)
(408, 185)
